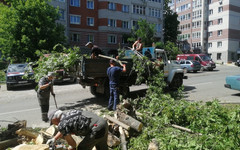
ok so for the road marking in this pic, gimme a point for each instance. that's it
(20, 111)
(201, 84)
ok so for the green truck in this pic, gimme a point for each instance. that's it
(93, 73)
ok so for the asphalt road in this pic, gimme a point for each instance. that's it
(22, 104)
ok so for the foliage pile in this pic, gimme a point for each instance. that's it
(56, 61)
(218, 125)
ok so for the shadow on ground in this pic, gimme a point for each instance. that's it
(96, 103)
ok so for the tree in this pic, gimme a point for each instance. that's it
(27, 26)
(144, 30)
(170, 24)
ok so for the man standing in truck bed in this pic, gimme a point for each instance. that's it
(95, 50)
(113, 73)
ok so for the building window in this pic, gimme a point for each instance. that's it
(210, 23)
(158, 28)
(220, 21)
(90, 38)
(75, 37)
(90, 21)
(111, 6)
(125, 8)
(210, 11)
(219, 55)
(220, 9)
(112, 39)
(137, 9)
(90, 4)
(209, 34)
(111, 22)
(219, 32)
(75, 3)
(209, 45)
(125, 24)
(75, 19)
(159, 1)
(153, 12)
(219, 44)
(61, 14)
(61, 0)
(135, 24)
(209, 1)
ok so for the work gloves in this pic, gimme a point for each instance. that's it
(50, 83)
(51, 141)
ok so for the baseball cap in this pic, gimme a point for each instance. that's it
(51, 115)
(52, 74)
(88, 43)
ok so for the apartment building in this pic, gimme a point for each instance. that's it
(105, 22)
(210, 26)
(62, 5)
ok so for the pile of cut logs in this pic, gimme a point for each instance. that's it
(122, 125)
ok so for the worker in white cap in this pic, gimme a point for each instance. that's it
(95, 50)
(45, 87)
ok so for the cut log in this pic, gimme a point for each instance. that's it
(27, 133)
(8, 143)
(11, 130)
(153, 145)
(52, 130)
(123, 139)
(40, 139)
(112, 140)
(31, 147)
(127, 127)
(184, 129)
(128, 120)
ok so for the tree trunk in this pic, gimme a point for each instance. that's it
(8, 143)
(113, 140)
(123, 139)
(128, 120)
(117, 122)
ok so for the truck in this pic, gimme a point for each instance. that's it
(93, 72)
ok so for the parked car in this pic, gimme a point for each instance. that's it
(233, 82)
(237, 63)
(15, 73)
(204, 60)
(190, 65)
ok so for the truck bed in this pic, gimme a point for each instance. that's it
(97, 68)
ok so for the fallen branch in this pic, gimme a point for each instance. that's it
(184, 129)
(8, 143)
(123, 139)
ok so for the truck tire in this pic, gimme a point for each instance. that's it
(124, 91)
(106, 90)
(176, 82)
(93, 90)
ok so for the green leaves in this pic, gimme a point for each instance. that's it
(28, 26)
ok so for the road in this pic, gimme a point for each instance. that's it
(22, 104)
(209, 85)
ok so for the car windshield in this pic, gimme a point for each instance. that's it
(205, 58)
(19, 68)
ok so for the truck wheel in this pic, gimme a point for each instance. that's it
(106, 90)
(93, 90)
(176, 82)
(124, 91)
(8, 87)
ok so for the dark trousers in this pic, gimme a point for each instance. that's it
(43, 100)
(114, 97)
